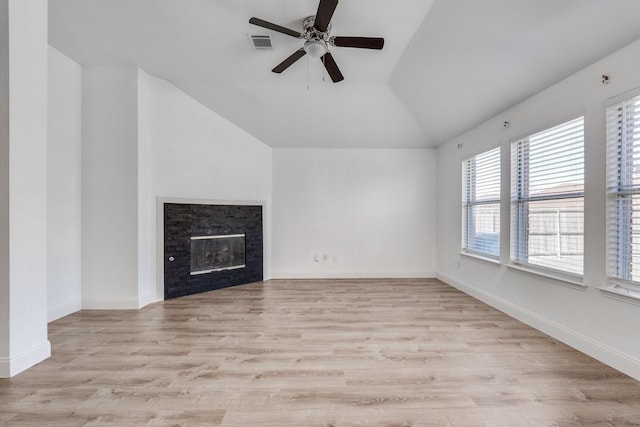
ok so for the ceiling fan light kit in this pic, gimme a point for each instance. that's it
(316, 33)
(315, 48)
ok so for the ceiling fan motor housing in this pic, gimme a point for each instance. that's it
(316, 41)
(310, 32)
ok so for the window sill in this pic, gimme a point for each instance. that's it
(574, 282)
(619, 293)
(481, 257)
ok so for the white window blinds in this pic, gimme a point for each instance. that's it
(547, 198)
(623, 190)
(481, 203)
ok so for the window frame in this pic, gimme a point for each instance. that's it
(618, 188)
(470, 202)
(520, 227)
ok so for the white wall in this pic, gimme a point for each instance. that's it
(64, 201)
(110, 187)
(144, 140)
(23, 185)
(146, 196)
(5, 188)
(588, 319)
(197, 156)
(370, 211)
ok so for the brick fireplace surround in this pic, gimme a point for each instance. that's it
(183, 221)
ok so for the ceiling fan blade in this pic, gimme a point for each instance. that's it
(360, 42)
(324, 14)
(332, 68)
(274, 27)
(289, 61)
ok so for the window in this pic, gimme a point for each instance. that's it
(623, 190)
(481, 203)
(547, 198)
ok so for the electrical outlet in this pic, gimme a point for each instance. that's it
(316, 258)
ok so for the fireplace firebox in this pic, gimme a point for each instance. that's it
(217, 253)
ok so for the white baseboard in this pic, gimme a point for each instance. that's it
(12, 366)
(62, 310)
(114, 303)
(602, 352)
(353, 275)
(147, 299)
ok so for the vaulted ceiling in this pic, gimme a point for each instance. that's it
(447, 65)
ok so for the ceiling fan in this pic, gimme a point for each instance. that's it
(316, 34)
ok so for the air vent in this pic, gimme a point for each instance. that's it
(261, 42)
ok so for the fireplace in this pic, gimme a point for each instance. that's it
(217, 253)
(208, 247)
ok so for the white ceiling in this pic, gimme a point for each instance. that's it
(447, 65)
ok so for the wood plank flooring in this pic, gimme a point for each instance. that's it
(315, 353)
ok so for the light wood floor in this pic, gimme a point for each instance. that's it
(315, 353)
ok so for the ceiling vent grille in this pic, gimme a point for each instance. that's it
(261, 42)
